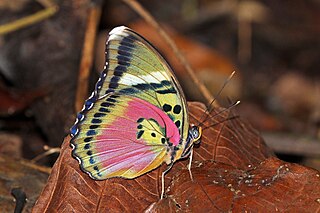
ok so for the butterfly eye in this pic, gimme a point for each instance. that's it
(196, 134)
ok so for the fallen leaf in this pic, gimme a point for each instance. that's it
(233, 170)
(22, 174)
(271, 186)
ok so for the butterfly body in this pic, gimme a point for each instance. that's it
(136, 118)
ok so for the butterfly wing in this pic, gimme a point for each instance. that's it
(136, 118)
(123, 136)
(135, 68)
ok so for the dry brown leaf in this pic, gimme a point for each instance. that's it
(233, 170)
(271, 186)
(22, 174)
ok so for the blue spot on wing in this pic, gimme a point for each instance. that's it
(96, 121)
(91, 160)
(73, 130)
(91, 132)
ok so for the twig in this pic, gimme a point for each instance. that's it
(29, 164)
(28, 20)
(245, 40)
(289, 144)
(211, 12)
(49, 151)
(87, 55)
(148, 17)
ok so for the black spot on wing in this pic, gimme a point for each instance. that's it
(166, 83)
(142, 86)
(129, 91)
(140, 120)
(96, 121)
(166, 91)
(177, 123)
(125, 51)
(112, 100)
(140, 133)
(128, 41)
(114, 96)
(102, 109)
(163, 140)
(167, 107)
(114, 82)
(177, 109)
(123, 58)
(99, 115)
(119, 70)
(87, 146)
(106, 104)
(87, 139)
(109, 91)
(124, 63)
(93, 126)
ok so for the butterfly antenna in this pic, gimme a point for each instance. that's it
(209, 108)
(220, 112)
(227, 119)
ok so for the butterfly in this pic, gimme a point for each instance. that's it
(136, 118)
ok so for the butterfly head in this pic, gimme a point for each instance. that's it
(194, 137)
(196, 132)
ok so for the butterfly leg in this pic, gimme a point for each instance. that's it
(162, 178)
(189, 165)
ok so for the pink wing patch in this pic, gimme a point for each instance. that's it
(124, 139)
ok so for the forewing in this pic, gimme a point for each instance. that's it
(122, 136)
